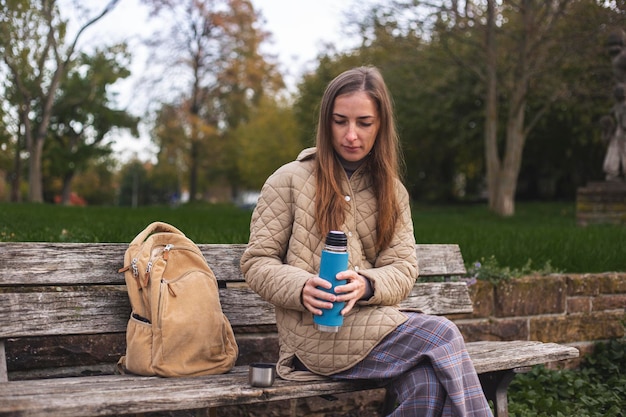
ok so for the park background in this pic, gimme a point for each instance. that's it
(498, 107)
(494, 104)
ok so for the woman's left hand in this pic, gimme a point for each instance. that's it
(351, 292)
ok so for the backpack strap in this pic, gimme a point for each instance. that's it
(154, 228)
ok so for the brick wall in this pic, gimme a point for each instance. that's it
(572, 309)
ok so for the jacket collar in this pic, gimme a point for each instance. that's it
(307, 153)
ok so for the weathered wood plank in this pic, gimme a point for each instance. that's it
(495, 356)
(440, 260)
(40, 263)
(86, 310)
(439, 298)
(487, 357)
(4, 376)
(111, 395)
(65, 372)
(105, 308)
(108, 395)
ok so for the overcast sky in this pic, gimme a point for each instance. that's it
(299, 29)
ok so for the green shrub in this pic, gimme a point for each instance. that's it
(489, 270)
(596, 389)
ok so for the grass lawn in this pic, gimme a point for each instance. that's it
(540, 232)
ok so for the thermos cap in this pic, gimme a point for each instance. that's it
(336, 238)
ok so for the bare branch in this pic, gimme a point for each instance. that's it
(106, 10)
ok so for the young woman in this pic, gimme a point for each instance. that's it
(350, 182)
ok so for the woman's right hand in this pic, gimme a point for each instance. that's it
(315, 299)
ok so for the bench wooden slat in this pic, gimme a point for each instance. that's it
(40, 263)
(440, 260)
(105, 308)
(111, 395)
(130, 394)
(78, 311)
(487, 357)
(439, 298)
(494, 356)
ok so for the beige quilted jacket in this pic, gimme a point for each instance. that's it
(284, 251)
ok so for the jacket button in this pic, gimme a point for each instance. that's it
(347, 198)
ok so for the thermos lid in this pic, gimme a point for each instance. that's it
(336, 238)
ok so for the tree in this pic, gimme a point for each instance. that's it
(134, 187)
(310, 91)
(173, 157)
(247, 80)
(36, 56)
(82, 115)
(437, 78)
(96, 183)
(435, 108)
(437, 129)
(5, 154)
(265, 142)
(214, 48)
(516, 47)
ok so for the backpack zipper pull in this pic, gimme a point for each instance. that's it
(148, 269)
(133, 265)
(170, 289)
(166, 251)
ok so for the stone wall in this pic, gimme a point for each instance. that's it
(576, 310)
(601, 202)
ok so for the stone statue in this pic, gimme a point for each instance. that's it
(614, 130)
(614, 126)
(605, 201)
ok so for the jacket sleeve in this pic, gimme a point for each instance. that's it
(270, 230)
(395, 268)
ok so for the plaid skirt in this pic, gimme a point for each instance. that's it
(425, 366)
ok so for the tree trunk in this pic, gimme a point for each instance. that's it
(504, 203)
(35, 146)
(502, 174)
(16, 176)
(193, 171)
(35, 192)
(492, 157)
(515, 138)
(66, 193)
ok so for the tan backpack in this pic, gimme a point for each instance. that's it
(176, 327)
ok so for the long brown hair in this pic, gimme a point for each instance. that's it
(383, 161)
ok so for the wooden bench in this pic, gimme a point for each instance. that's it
(64, 310)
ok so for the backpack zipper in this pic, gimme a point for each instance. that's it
(166, 283)
(165, 255)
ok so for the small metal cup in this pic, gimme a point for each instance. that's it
(261, 374)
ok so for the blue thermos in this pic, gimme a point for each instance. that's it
(334, 260)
